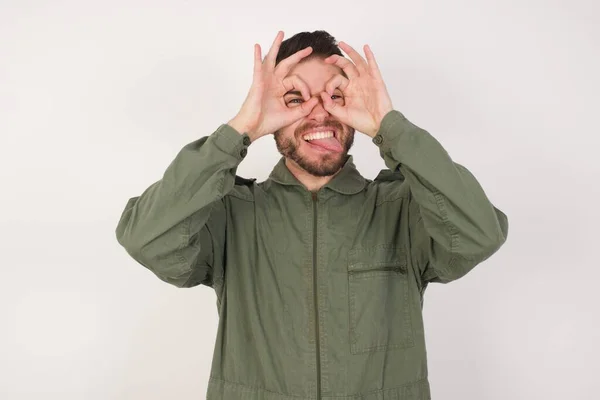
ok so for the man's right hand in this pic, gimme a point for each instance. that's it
(264, 111)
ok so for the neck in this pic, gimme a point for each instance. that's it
(311, 182)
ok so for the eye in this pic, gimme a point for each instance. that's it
(333, 97)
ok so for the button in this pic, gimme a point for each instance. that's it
(246, 141)
(244, 152)
(378, 139)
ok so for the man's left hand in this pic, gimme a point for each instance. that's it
(366, 100)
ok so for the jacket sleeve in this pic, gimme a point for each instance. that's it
(453, 225)
(176, 227)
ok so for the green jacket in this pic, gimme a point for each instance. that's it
(319, 295)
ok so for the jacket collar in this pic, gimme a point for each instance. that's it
(347, 181)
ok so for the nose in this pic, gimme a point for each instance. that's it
(319, 113)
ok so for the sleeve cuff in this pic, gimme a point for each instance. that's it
(231, 141)
(390, 130)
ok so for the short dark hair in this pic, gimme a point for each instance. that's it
(322, 43)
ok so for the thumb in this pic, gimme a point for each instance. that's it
(333, 108)
(305, 108)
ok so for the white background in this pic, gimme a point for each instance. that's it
(96, 98)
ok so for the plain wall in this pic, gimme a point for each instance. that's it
(96, 99)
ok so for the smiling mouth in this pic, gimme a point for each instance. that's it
(323, 140)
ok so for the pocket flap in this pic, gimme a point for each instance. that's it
(379, 257)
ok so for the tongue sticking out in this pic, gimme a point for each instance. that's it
(330, 144)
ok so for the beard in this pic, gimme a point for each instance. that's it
(328, 164)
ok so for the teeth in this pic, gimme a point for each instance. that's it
(318, 135)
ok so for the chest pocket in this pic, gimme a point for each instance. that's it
(378, 299)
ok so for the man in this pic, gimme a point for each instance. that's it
(319, 272)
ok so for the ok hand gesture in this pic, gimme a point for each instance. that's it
(366, 100)
(264, 111)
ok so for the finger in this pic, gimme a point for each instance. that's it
(306, 107)
(284, 67)
(338, 81)
(295, 82)
(333, 108)
(372, 63)
(294, 114)
(257, 62)
(346, 65)
(272, 54)
(360, 62)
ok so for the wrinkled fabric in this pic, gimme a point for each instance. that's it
(319, 295)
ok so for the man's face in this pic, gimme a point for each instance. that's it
(318, 155)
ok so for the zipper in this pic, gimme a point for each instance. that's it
(315, 297)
